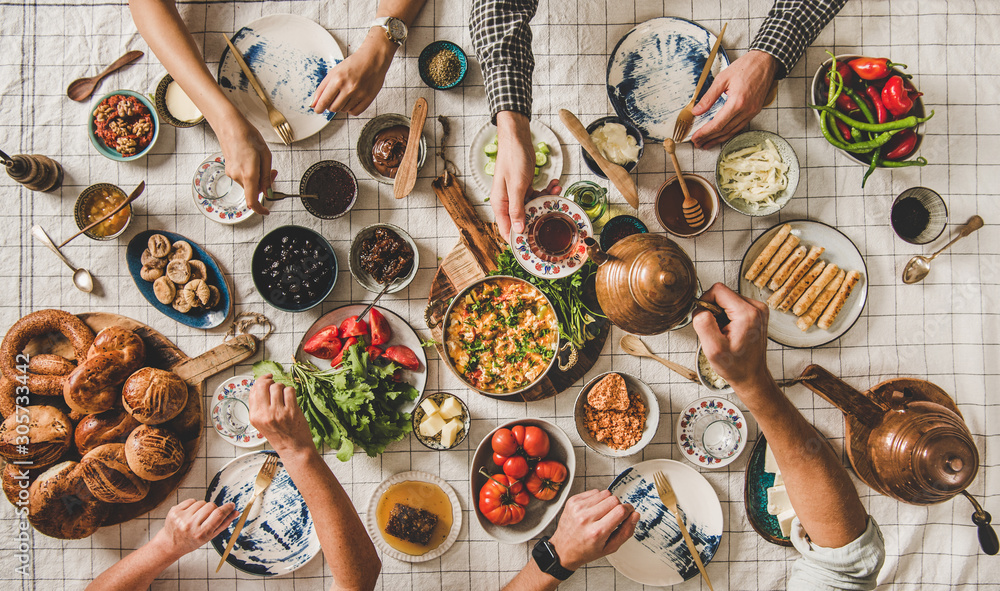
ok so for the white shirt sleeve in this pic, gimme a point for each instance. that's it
(851, 567)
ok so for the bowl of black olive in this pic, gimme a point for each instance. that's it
(294, 268)
(383, 253)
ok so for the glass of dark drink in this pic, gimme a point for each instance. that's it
(553, 236)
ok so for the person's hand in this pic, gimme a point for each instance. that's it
(248, 159)
(353, 84)
(514, 173)
(746, 83)
(586, 529)
(192, 523)
(275, 413)
(738, 351)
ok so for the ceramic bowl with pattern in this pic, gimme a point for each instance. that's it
(163, 110)
(217, 196)
(424, 63)
(693, 415)
(434, 442)
(748, 139)
(520, 242)
(231, 412)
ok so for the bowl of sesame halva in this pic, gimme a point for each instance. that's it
(616, 414)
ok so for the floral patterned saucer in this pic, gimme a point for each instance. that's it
(532, 263)
(685, 436)
(229, 403)
(218, 197)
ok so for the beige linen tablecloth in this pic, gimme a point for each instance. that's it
(945, 329)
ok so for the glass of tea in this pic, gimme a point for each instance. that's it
(716, 435)
(919, 215)
(553, 236)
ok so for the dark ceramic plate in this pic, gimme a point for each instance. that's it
(632, 130)
(196, 318)
(283, 301)
(755, 486)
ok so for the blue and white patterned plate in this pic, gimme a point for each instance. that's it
(657, 554)
(653, 72)
(279, 536)
(533, 210)
(291, 56)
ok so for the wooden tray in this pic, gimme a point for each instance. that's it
(162, 354)
(475, 255)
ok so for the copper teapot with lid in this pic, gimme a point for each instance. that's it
(646, 283)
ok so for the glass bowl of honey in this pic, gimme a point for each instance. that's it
(94, 203)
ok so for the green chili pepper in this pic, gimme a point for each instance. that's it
(861, 105)
(857, 147)
(876, 156)
(900, 124)
(919, 161)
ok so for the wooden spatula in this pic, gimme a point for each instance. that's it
(406, 175)
(616, 174)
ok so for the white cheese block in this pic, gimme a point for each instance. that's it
(430, 407)
(777, 500)
(179, 105)
(785, 521)
(431, 425)
(770, 464)
(451, 408)
(450, 432)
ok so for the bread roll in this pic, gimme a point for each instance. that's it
(92, 386)
(48, 364)
(61, 506)
(49, 435)
(765, 256)
(16, 481)
(154, 453)
(154, 396)
(187, 425)
(110, 426)
(107, 475)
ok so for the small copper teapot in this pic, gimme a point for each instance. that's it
(646, 283)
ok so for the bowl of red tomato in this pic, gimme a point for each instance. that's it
(877, 92)
(521, 476)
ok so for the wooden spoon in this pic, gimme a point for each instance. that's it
(693, 214)
(80, 90)
(135, 195)
(633, 345)
(616, 174)
(406, 175)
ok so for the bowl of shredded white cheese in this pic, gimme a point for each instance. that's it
(757, 173)
(709, 377)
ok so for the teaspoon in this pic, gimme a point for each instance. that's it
(919, 266)
(82, 278)
(633, 345)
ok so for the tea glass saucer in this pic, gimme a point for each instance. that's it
(529, 261)
(688, 442)
(231, 413)
(218, 197)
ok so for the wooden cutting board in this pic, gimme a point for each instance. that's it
(475, 255)
(161, 353)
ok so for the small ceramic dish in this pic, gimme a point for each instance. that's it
(633, 384)
(688, 419)
(279, 238)
(747, 139)
(86, 199)
(755, 485)
(701, 362)
(366, 142)
(632, 130)
(424, 63)
(435, 442)
(532, 263)
(231, 412)
(620, 227)
(671, 215)
(216, 196)
(109, 152)
(328, 173)
(160, 100)
(376, 519)
(364, 278)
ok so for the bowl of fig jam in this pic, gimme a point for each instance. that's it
(382, 253)
(382, 144)
(335, 187)
(668, 208)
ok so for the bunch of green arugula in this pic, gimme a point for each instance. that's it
(358, 403)
(565, 294)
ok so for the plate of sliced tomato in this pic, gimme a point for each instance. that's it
(521, 476)
(384, 334)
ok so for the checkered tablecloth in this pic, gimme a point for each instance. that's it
(944, 330)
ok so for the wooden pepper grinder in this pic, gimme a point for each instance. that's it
(34, 171)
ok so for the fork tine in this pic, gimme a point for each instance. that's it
(681, 128)
(288, 130)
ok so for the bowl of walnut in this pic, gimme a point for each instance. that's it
(123, 126)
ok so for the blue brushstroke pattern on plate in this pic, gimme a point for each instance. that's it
(653, 71)
(657, 529)
(279, 536)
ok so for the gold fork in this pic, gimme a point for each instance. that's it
(278, 121)
(686, 117)
(264, 477)
(669, 500)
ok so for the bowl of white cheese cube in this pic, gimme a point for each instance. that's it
(441, 421)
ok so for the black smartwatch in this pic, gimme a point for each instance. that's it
(547, 559)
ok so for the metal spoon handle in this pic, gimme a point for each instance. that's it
(974, 224)
(42, 237)
(371, 305)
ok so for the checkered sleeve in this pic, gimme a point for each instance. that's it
(502, 38)
(790, 27)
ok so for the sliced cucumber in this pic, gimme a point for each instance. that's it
(490, 167)
(541, 159)
(491, 149)
(537, 170)
(543, 148)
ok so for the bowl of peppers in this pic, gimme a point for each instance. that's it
(870, 109)
(520, 478)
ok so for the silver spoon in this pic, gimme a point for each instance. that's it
(82, 278)
(633, 345)
(919, 266)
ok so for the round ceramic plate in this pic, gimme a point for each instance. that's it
(841, 251)
(653, 72)
(657, 554)
(402, 334)
(533, 210)
(278, 537)
(539, 133)
(685, 437)
(755, 486)
(290, 56)
(239, 388)
(371, 518)
(231, 209)
(196, 318)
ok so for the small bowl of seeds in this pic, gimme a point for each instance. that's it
(443, 65)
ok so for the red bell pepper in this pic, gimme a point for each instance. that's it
(875, 97)
(845, 103)
(873, 68)
(325, 344)
(901, 145)
(895, 98)
(381, 333)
